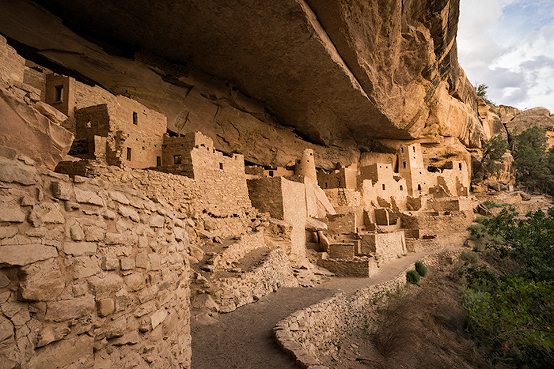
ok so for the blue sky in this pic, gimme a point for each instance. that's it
(509, 45)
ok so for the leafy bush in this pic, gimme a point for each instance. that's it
(420, 268)
(412, 276)
(491, 204)
(469, 256)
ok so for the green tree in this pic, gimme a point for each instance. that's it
(493, 152)
(530, 159)
(512, 314)
(481, 91)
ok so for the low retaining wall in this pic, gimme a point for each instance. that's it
(303, 333)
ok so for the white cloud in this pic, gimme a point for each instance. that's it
(507, 45)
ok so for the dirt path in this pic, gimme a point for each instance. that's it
(243, 338)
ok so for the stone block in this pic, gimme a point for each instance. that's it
(62, 190)
(7, 232)
(382, 216)
(63, 310)
(105, 286)
(52, 333)
(127, 263)
(341, 251)
(13, 171)
(76, 232)
(141, 260)
(62, 354)
(10, 211)
(128, 212)
(158, 317)
(105, 307)
(85, 266)
(145, 308)
(41, 281)
(6, 328)
(88, 197)
(116, 328)
(79, 248)
(48, 213)
(119, 197)
(157, 221)
(94, 233)
(135, 281)
(110, 262)
(19, 255)
(155, 261)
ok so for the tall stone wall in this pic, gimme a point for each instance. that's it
(91, 274)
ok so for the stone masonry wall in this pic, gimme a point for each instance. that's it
(91, 274)
(12, 66)
(312, 332)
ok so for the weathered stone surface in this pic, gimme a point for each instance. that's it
(6, 328)
(105, 286)
(135, 281)
(10, 211)
(48, 213)
(88, 197)
(62, 190)
(79, 248)
(51, 334)
(7, 232)
(63, 353)
(17, 172)
(76, 232)
(130, 213)
(41, 281)
(19, 255)
(70, 309)
(85, 266)
(105, 307)
(158, 317)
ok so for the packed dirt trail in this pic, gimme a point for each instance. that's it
(243, 338)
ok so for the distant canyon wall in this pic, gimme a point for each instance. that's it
(267, 80)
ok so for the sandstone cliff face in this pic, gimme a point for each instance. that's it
(341, 74)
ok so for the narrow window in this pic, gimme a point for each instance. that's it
(339, 182)
(221, 166)
(383, 187)
(402, 150)
(419, 187)
(460, 166)
(270, 173)
(401, 189)
(404, 164)
(129, 154)
(326, 185)
(413, 148)
(59, 94)
(135, 118)
(158, 161)
(176, 159)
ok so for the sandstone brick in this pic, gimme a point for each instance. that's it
(19, 255)
(158, 317)
(128, 212)
(62, 190)
(130, 338)
(76, 232)
(127, 263)
(105, 286)
(155, 261)
(46, 213)
(105, 307)
(79, 248)
(7, 232)
(52, 333)
(85, 266)
(63, 310)
(21, 317)
(6, 328)
(145, 308)
(4, 280)
(88, 197)
(108, 214)
(116, 328)
(110, 262)
(41, 281)
(62, 354)
(157, 221)
(141, 260)
(16, 172)
(11, 212)
(94, 233)
(135, 281)
(119, 197)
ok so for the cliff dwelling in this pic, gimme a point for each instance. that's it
(153, 177)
